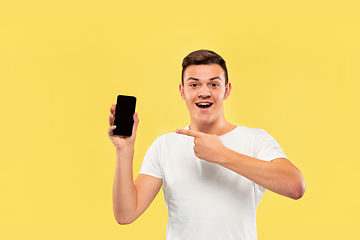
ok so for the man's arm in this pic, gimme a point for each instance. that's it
(278, 175)
(130, 198)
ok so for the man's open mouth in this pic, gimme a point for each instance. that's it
(203, 105)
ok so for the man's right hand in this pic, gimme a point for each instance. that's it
(130, 198)
(121, 142)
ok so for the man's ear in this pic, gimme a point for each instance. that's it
(181, 89)
(227, 90)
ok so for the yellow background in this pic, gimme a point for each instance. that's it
(294, 67)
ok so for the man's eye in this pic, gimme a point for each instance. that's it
(214, 85)
(193, 85)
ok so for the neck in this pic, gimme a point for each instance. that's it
(218, 128)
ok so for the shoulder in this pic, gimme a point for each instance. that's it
(170, 138)
(170, 143)
(248, 132)
(242, 134)
(259, 134)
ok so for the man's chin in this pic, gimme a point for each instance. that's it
(204, 120)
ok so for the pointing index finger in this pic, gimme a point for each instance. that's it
(188, 132)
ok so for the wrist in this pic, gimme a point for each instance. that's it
(125, 151)
(224, 157)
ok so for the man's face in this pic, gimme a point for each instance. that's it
(204, 91)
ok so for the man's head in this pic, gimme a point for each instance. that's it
(203, 57)
(204, 87)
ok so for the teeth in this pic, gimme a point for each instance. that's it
(203, 105)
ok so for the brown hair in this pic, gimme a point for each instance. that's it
(203, 57)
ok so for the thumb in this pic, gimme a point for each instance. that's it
(136, 123)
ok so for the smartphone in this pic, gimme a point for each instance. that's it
(124, 121)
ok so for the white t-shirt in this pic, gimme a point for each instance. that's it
(205, 200)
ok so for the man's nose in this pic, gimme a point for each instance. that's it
(204, 92)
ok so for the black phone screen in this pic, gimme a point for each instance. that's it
(124, 121)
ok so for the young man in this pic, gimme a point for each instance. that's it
(213, 173)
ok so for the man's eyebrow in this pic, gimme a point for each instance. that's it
(192, 78)
(217, 77)
(196, 79)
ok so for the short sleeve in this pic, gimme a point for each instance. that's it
(151, 163)
(268, 148)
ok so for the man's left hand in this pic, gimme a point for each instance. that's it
(206, 146)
